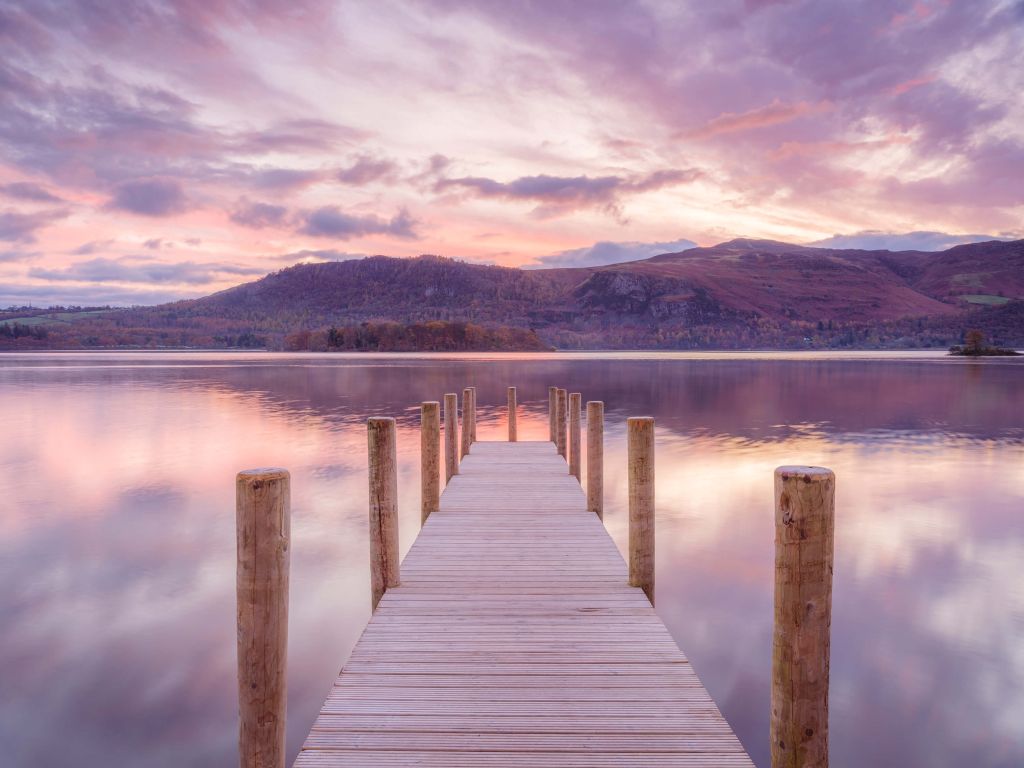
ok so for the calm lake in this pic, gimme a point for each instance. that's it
(117, 553)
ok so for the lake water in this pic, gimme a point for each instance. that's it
(117, 552)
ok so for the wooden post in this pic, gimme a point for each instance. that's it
(595, 457)
(430, 458)
(512, 414)
(575, 449)
(552, 411)
(451, 436)
(383, 507)
(560, 412)
(472, 416)
(804, 524)
(467, 431)
(263, 528)
(640, 441)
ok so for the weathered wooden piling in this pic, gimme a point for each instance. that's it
(430, 458)
(467, 430)
(640, 453)
(561, 408)
(595, 457)
(263, 529)
(382, 443)
(575, 447)
(552, 411)
(804, 525)
(451, 436)
(472, 416)
(512, 427)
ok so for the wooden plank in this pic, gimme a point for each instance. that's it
(515, 640)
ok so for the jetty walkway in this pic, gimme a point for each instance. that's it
(515, 640)
(514, 633)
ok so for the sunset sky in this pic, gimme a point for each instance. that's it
(158, 150)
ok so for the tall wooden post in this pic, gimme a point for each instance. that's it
(512, 428)
(430, 458)
(804, 524)
(263, 529)
(595, 457)
(382, 445)
(472, 416)
(575, 448)
(640, 451)
(561, 406)
(451, 436)
(552, 410)
(467, 430)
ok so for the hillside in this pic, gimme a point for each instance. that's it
(738, 294)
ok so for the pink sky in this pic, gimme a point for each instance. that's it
(153, 150)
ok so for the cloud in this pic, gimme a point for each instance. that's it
(135, 269)
(257, 215)
(26, 190)
(92, 246)
(907, 241)
(98, 295)
(14, 255)
(22, 227)
(558, 195)
(309, 255)
(150, 197)
(775, 113)
(331, 221)
(285, 178)
(366, 170)
(611, 253)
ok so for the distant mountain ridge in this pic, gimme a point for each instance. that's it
(738, 294)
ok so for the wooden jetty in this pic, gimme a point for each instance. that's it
(514, 633)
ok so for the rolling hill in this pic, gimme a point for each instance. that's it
(738, 294)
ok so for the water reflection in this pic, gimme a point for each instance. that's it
(118, 546)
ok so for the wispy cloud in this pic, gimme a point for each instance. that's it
(611, 253)
(331, 221)
(558, 195)
(129, 269)
(905, 241)
(150, 197)
(16, 226)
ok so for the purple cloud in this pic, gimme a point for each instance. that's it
(606, 252)
(366, 170)
(134, 269)
(331, 221)
(150, 197)
(561, 194)
(22, 227)
(257, 215)
(26, 190)
(908, 241)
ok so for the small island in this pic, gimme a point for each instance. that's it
(974, 346)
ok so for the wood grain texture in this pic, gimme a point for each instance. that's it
(383, 474)
(575, 445)
(561, 413)
(804, 534)
(512, 430)
(451, 436)
(515, 640)
(430, 458)
(595, 458)
(263, 528)
(640, 458)
(467, 429)
(472, 416)
(552, 408)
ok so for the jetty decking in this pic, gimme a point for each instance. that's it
(515, 640)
